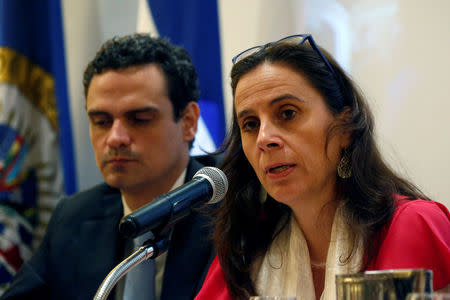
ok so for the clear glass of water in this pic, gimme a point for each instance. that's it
(272, 298)
(428, 296)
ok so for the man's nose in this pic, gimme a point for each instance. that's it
(119, 135)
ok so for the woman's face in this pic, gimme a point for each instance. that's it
(284, 124)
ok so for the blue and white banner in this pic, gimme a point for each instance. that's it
(36, 152)
(194, 25)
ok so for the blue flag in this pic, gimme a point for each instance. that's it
(194, 25)
(36, 152)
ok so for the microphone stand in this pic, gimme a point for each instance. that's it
(149, 250)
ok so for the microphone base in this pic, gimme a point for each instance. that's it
(149, 250)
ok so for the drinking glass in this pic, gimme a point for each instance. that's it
(271, 298)
(428, 296)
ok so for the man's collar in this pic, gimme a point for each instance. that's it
(178, 183)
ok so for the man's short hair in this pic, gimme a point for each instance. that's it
(141, 49)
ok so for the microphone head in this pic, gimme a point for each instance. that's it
(218, 180)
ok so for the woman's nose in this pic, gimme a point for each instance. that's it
(268, 137)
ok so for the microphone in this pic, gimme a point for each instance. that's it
(208, 184)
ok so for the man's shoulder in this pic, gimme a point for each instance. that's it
(99, 189)
(99, 198)
(90, 195)
(210, 160)
(199, 161)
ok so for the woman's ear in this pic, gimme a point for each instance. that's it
(345, 117)
(189, 119)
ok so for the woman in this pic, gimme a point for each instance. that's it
(310, 196)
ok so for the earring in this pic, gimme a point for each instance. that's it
(344, 169)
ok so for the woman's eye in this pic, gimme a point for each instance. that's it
(288, 114)
(249, 125)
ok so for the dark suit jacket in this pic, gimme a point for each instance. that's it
(82, 245)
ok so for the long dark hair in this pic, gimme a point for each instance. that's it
(246, 226)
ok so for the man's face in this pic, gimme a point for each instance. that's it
(138, 146)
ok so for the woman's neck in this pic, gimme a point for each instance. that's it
(316, 223)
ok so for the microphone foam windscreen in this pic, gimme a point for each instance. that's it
(218, 182)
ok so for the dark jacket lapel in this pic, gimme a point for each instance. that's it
(100, 231)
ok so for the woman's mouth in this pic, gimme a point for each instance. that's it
(279, 168)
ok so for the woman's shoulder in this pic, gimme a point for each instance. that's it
(418, 236)
(415, 220)
(419, 211)
(214, 286)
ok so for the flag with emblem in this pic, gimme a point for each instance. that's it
(36, 154)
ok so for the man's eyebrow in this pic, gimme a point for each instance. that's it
(274, 101)
(150, 111)
(96, 112)
(142, 110)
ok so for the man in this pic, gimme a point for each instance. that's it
(141, 95)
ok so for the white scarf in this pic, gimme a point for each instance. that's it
(285, 269)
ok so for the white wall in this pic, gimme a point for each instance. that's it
(396, 50)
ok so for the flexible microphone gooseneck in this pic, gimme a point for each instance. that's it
(208, 184)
